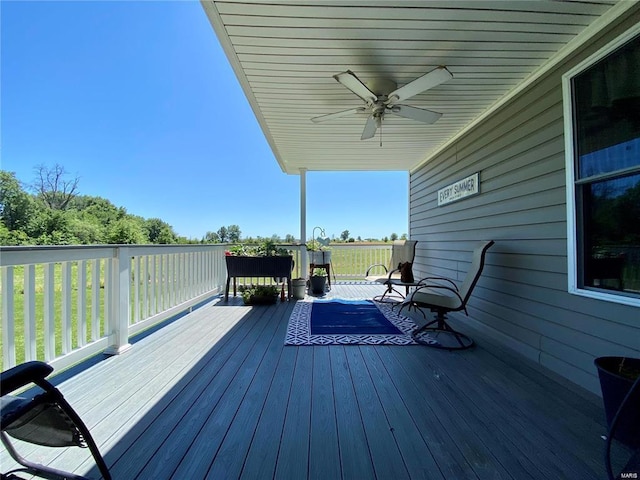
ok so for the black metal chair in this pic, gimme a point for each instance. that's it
(442, 295)
(44, 418)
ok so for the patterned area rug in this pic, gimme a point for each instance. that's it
(348, 322)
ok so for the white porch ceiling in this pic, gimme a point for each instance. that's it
(285, 53)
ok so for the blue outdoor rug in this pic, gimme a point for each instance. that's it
(348, 322)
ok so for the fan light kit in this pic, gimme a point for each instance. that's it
(382, 96)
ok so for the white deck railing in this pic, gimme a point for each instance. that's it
(62, 304)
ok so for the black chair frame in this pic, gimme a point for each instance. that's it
(15, 409)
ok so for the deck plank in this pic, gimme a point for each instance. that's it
(293, 454)
(355, 457)
(385, 454)
(415, 452)
(216, 394)
(324, 455)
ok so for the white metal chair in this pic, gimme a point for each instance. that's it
(442, 295)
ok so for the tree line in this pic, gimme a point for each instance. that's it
(50, 211)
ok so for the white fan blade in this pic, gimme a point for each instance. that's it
(353, 83)
(419, 85)
(331, 116)
(419, 114)
(369, 128)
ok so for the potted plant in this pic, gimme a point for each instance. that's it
(317, 249)
(617, 375)
(259, 294)
(318, 253)
(318, 281)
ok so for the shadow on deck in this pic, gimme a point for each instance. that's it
(216, 394)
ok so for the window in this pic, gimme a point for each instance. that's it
(602, 107)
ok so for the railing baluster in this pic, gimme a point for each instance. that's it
(95, 300)
(145, 288)
(30, 313)
(49, 312)
(152, 285)
(81, 316)
(136, 289)
(8, 324)
(66, 308)
(108, 289)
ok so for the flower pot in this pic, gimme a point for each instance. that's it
(318, 283)
(298, 286)
(320, 257)
(614, 389)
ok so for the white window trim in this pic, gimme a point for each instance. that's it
(572, 248)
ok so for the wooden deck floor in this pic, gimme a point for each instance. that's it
(216, 394)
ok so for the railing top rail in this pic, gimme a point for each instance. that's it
(27, 255)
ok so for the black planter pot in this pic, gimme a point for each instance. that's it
(318, 284)
(614, 390)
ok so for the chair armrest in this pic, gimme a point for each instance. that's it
(391, 272)
(426, 279)
(434, 286)
(24, 374)
(375, 265)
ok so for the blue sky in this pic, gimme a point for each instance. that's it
(139, 101)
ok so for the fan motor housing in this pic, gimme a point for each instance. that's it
(381, 86)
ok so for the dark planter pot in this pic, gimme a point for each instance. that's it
(318, 284)
(614, 390)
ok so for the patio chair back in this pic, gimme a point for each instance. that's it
(477, 264)
(402, 251)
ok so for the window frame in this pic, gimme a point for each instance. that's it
(573, 236)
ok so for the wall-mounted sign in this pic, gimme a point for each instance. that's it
(459, 190)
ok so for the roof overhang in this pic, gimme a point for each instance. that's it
(285, 54)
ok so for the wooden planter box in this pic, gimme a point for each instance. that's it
(274, 267)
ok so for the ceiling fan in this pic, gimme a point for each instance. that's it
(382, 96)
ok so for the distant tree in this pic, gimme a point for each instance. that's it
(359, 238)
(289, 238)
(159, 231)
(385, 239)
(16, 205)
(53, 188)
(211, 237)
(223, 234)
(275, 238)
(233, 231)
(394, 237)
(53, 227)
(344, 235)
(351, 240)
(403, 236)
(127, 231)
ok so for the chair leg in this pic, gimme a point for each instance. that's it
(441, 335)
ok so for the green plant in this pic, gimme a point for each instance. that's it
(316, 246)
(268, 248)
(258, 291)
(319, 272)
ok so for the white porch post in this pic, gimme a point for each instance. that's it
(119, 321)
(303, 222)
